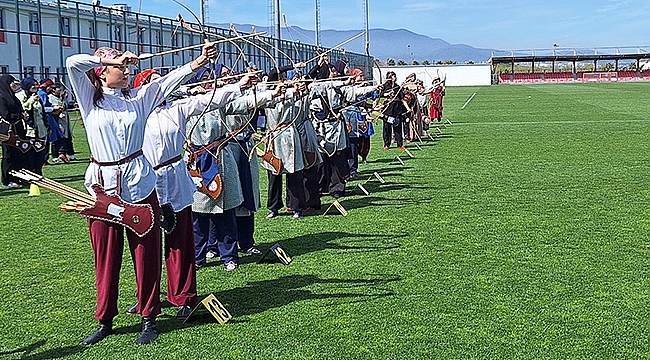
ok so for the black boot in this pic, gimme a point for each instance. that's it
(105, 329)
(149, 331)
(133, 309)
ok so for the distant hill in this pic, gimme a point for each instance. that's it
(385, 44)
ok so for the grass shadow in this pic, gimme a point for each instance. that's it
(56, 353)
(247, 300)
(308, 243)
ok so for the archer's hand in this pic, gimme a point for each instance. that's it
(127, 58)
(196, 90)
(248, 81)
(210, 51)
(300, 86)
(280, 90)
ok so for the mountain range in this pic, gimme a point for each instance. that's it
(385, 44)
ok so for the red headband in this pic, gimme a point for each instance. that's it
(105, 53)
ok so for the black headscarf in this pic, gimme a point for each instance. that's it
(6, 92)
(10, 107)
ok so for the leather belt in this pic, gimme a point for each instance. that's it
(118, 162)
(168, 162)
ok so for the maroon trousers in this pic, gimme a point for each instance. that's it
(107, 240)
(179, 261)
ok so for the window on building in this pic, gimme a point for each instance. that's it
(2, 18)
(4, 69)
(157, 38)
(91, 29)
(65, 26)
(117, 33)
(34, 23)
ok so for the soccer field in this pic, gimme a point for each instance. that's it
(521, 232)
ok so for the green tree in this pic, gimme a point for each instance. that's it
(390, 62)
(607, 67)
(426, 62)
(401, 62)
(415, 62)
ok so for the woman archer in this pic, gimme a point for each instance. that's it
(115, 119)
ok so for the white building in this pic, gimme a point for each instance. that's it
(38, 40)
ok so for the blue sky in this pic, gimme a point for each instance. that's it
(503, 25)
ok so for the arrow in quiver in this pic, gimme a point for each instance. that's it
(137, 217)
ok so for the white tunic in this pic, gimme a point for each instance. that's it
(115, 128)
(165, 134)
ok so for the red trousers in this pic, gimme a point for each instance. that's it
(107, 240)
(179, 261)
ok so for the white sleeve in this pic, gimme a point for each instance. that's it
(153, 94)
(195, 105)
(77, 65)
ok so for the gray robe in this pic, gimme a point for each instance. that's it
(209, 128)
(283, 136)
(331, 132)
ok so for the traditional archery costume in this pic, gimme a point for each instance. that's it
(17, 151)
(163, 144)
(393, 113)
(357, 126)
(328, 99)
(435, 101)
(216, 171)
(249, 176)
(115, 129)
(312, 157)
(284, 142)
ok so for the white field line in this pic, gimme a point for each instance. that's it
(553, 122)
(470, 99)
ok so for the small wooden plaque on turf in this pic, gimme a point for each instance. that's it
(338, 207)
(363, 189)
(279, 253)
(215, 308)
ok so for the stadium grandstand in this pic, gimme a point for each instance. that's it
(565, 65)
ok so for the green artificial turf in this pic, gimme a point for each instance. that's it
(521, 232)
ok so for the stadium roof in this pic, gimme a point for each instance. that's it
(570, 55)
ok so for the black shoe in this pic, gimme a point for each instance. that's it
(133, 309)
(149, 331)
(183, 312)
(105, 329)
